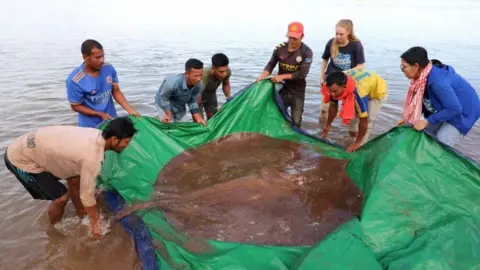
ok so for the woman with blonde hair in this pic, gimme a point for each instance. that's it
(344, 52)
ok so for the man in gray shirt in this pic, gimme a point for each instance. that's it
(180, 90)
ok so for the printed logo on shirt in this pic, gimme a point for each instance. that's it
(308, 60)
(289, 68)
(343, 61)
(109, 79)
(299, 59)
(102, 98)
(429, 106)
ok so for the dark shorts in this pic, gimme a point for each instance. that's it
(42, 186)
(210, 102)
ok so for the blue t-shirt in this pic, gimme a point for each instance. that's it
(95, 93)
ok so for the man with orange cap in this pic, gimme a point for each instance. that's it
(362, 93)
(294, 59)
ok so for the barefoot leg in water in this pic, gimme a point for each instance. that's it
(74, 192)
(57, 208)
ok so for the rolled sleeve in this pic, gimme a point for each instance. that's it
(88, 182)
(75, 94)
(165, 92)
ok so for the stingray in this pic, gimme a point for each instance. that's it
(255, 189)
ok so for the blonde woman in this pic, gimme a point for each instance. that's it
(344, 52)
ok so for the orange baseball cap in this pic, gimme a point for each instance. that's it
(295, 30)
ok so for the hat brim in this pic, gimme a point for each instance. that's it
(294, 34)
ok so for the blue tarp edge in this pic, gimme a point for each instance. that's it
(141, 234)
(137, 229)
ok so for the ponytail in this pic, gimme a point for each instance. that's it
(437, 63)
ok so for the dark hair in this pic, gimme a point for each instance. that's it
(219, 60)
(419, 55)
(90, 44)
(338, 77)
(193, 63)
(121, 127)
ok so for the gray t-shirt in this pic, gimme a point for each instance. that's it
(348, 56)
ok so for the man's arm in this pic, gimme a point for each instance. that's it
(119, 96)
(269, 67)
(332, 113)
(362, 129)
(75, 97)
(164, 94)
(193, 106)
(226, 87)
(88, 174)
(361, 107)
(87, 111)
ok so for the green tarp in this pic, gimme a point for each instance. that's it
(421, 206)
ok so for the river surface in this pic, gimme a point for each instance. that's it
(40, 45)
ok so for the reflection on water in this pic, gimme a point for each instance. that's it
(254, 189)
(69, 245)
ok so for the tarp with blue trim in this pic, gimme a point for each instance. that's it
(421, 207)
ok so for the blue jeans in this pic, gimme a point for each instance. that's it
(445, 132)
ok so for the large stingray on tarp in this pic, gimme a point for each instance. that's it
(254, 189)
(420, 198)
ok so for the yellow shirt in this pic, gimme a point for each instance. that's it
(369, 84)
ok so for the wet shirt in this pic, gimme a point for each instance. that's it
(95, 93)
(296, 63)
(174, 95)
(65, 152)
(210, 83)
(369, 85)
(348, 56)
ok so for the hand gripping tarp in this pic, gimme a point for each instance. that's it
(421, 207)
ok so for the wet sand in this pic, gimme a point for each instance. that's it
(250, 188)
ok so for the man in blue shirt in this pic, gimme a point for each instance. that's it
(91, 86)
(179, 90)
